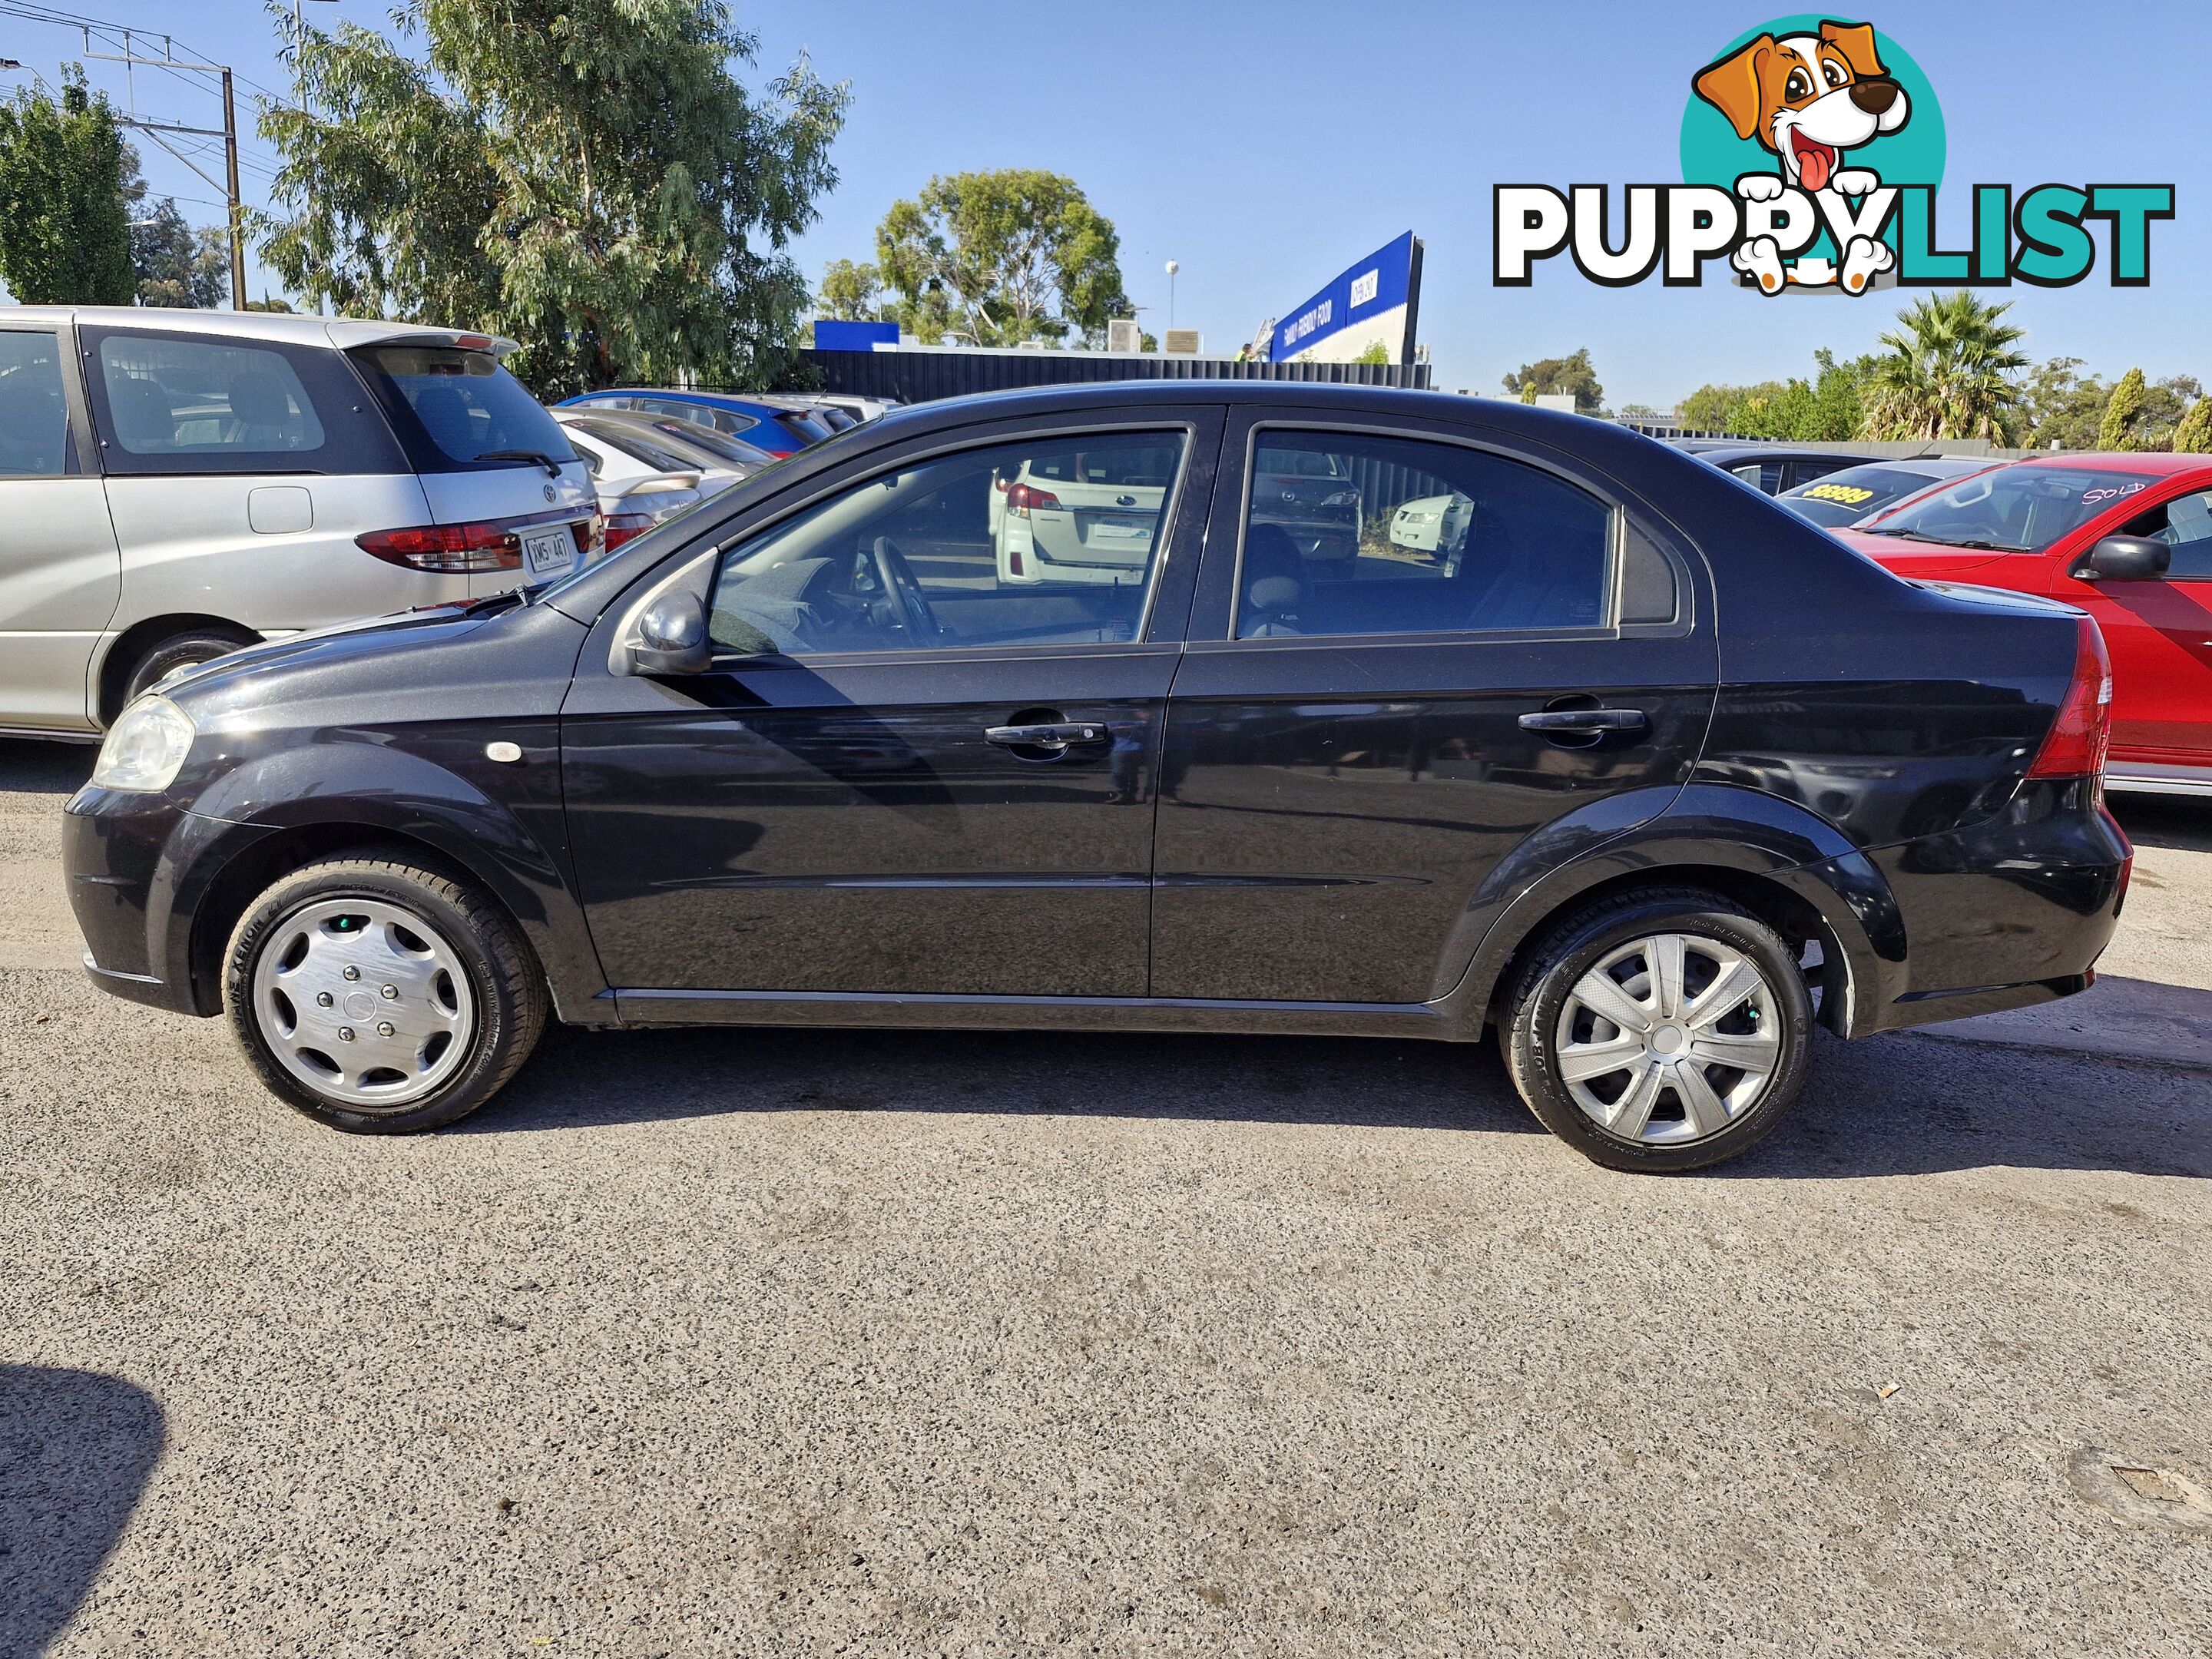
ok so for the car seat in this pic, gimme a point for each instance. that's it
(1275, 584)
(145, 420)
(263, 406)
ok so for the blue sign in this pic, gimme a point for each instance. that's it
(1380, 283)
(832, 336)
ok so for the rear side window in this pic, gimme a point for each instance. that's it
(178, 403)
(458, 411)
(34, 437)
(1349, 534)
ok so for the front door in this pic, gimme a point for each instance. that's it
(912, 770)
(60, 573)
(2159, 635)
(1347, 760)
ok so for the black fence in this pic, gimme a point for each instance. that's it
(920, 377)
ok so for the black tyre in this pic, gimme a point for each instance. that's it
(187, 650)
(1660, 1030)
(380, 997)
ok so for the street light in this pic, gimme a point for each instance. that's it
(1174, 265)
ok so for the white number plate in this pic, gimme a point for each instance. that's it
(549, 552)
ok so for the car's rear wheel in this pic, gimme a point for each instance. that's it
(381, 996)
(1660, 1030)
(185, 650)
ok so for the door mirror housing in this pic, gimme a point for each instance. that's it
(671, 637)
(2126, 558)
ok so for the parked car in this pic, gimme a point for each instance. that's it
(1769, 468)
(860, 409)
(687, 442)
(639, 482)
(1649, 793)
(1312, 498)
(2126, 537)
(179, 484)
(1859, 492)
(1432, 524)
(761, 422)
(1073, 515)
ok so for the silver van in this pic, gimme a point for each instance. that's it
(175, 485)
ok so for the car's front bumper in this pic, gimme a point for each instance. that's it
(137, 866)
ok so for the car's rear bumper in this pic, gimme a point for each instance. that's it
(2004, 913)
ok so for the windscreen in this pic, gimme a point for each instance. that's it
(1842, 497)
(2017, 509)
(469, 410)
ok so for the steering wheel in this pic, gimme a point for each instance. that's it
(898, 578)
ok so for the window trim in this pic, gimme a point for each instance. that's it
(703, 564)
(1618, 510)
(80, 461)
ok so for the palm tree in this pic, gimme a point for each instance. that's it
(1948, 373)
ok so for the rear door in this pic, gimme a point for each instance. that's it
(1346, 762)
(2159, 633)
(903, 775)
(59, 573)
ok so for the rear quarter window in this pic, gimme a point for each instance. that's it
(178, 404)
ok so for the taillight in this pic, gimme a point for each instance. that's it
(627, 527)
(1023, 499)
(458, 550)
(2078, 739)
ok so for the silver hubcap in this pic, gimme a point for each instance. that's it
(1668, 1039)
(363, 1002)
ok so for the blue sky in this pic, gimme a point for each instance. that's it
(1267, 146)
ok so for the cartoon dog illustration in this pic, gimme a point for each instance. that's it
(1808, 98)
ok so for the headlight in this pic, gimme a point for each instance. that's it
(145, 746)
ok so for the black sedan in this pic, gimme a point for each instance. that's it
(937, 724)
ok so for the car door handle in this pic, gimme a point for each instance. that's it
(1586, 719)
(1058, 734)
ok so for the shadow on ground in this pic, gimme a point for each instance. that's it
(75, 1449)
(1890, 1105)
(2177, 821)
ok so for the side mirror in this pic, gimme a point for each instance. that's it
(671, 637)
(2126, 558)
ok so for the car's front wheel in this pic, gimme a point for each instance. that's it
(381, 996)
(1660, 1030)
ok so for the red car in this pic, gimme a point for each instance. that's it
(2126, 537)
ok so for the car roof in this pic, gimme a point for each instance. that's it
(2153, 463)
(282, 327)
(740, 399)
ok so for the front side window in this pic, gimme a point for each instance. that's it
(2183, 523)
(461, 408)
(34, 441)
(1050, 541)
(2015, 509)
(1348, 534)
(199, 398)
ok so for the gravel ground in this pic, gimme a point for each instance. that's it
(909, 1344)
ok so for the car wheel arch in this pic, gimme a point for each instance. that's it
(124, 653)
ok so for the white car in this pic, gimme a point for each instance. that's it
(1070, 516)
(176, 484)
(1432, 524)
(641, 479)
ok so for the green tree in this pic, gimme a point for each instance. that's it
(1950, 371)
(1553, 375)
(64, 230)
(2122, 413)
(177, 265)
(851, 292)
(1001, 258)
(2193, 436)
(584, 175)
(2059, 407)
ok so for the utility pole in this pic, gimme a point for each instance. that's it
(237, 212)
(227, 132)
